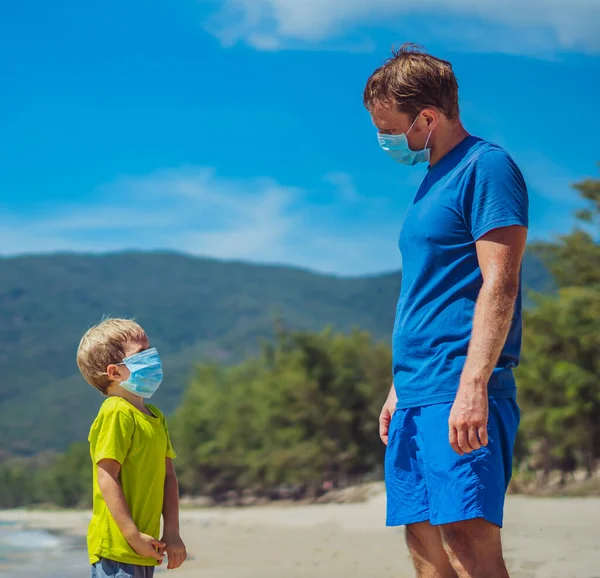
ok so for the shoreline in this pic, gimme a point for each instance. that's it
(543, 538)
(579, 489)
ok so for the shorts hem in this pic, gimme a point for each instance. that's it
(406, 521)
(444, 520)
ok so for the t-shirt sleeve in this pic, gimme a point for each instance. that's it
(170, 451)
(497, 196)
(111, 438)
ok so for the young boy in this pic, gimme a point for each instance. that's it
(134, 478)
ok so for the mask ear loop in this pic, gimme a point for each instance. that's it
(427, 141)
(101, 390)
(413, 124)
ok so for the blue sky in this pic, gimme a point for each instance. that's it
(235, 128)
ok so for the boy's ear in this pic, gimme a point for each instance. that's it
(114, 372)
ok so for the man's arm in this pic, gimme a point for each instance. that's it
(174, 545)
(385, 417)
(500, 253)
(112, 492)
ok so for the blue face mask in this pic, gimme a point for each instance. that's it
(396, 145)
(146, 373)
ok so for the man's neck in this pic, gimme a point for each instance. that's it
(446, 140)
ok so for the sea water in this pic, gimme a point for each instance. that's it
(27, 552)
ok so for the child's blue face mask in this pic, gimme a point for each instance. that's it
(396, 145)
(146, 373)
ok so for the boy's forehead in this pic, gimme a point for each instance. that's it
(134, 346)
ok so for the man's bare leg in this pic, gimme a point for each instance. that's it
(474, 549)
(427, 551)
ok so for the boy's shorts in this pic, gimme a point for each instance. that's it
(110, 569)
(427, 481)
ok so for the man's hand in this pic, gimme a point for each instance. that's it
(499, 254)
(385, 417)
(147, 546)
(468, 419)
(175, 550)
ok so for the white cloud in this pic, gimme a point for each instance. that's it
(193, 210)
(503, 25)
(346, 188)
(332, 228)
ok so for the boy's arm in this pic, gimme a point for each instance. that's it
(171, 500)
(175, 547)
(112, 492)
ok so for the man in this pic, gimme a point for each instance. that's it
(451, 417)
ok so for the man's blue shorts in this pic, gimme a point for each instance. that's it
(427, 481)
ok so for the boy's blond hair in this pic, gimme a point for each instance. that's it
(104, 344)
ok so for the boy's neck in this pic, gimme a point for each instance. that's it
(135, 400)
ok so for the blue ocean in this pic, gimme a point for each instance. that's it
(28, 552)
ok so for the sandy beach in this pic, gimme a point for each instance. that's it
(544, 538)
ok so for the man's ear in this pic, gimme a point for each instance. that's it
(431, 117)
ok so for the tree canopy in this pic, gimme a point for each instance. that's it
(303, 411)
(559, 378)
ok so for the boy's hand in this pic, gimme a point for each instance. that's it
(147, 546)
(175, 550)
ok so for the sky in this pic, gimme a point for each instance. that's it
(235, 129)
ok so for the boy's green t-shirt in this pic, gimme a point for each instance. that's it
(141, 444)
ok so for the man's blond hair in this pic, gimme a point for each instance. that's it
(104, 344)
(412, 80)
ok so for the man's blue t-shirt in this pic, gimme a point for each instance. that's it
(474, 189)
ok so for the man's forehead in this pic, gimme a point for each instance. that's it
(385, 117)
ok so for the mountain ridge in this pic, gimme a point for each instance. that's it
(193, 308)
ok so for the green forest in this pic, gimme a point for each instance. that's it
(289, 396)
(194, 310)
